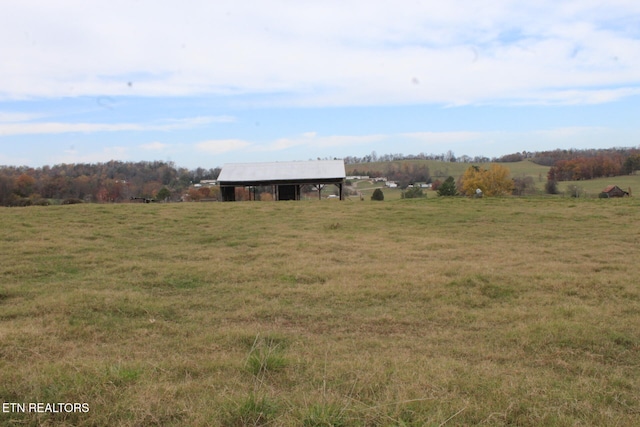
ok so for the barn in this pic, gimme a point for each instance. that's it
(285, 179)
(614, 191)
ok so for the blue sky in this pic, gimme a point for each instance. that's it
(203, 83)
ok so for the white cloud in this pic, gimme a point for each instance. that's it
(219, 146)
(34, 128)
(323, 53)
(11, 117)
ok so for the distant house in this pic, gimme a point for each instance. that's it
(615, 191)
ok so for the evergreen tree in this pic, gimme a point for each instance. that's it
(448, 187)
(377, 195)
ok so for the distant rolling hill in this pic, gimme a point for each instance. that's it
(441, 170)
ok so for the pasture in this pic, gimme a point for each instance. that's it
(441, 170)
(440, 312)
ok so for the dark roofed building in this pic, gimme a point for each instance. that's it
(286, 178)
(614, 191)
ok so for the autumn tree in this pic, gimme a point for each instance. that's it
(24, 185)
(205, 192)
(194, 194)
(498, 181)
(581, 168)
(472, 179)
(494, 181)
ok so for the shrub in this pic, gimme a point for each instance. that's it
(551, 187)
(523, 186)
(21, 202)
(71, 201)
(574, 191)
(412, 193)
(40, 202)
(377, 195)
(266, 197)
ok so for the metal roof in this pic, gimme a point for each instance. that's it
(282, 171)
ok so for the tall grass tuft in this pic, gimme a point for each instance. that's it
(252, 411)
(266, 355)
(325, 415)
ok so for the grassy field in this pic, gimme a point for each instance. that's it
(593, 187)
(437, 312)
(441, 170)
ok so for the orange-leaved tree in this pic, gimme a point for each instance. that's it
(494, 181)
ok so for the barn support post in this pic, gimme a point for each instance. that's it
(319, 187)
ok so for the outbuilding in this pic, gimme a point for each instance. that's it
(285, 178)
(615, 191)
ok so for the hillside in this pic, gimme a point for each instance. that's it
(118, 181)
(440, 169)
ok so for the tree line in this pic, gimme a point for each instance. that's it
(113, 181)
(449, 156)
(117, 181)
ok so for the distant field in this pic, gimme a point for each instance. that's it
(592, 187)
(436, 312)
(442, 170)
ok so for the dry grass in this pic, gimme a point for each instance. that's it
(414, 312)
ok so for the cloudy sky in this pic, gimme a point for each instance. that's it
(206, 82)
